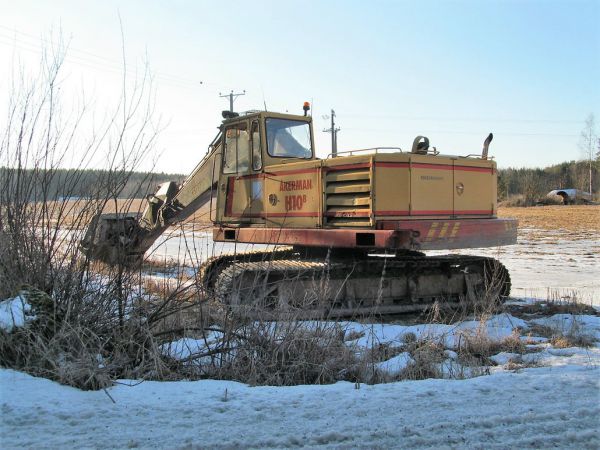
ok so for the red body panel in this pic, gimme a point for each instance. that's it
(436, 234)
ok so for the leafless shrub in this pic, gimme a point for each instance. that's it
(92, 324)
(280, 352)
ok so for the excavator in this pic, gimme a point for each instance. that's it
(346, 235)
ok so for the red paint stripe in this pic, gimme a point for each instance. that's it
(347, 214)
(432, 212)
(293, 214)
(425, 212)
(347, 167)
(391, 213)
(435, 166)
(391, 164)
(229, 199)
(473, 169)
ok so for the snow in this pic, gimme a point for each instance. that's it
(395, 365)
(538, 408)
(505, 357)
(14, 313)
(496, 327)
(554, 405)
(569, 323)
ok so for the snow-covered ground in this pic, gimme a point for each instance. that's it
(553, 403)
(549, 399)
(548, 407)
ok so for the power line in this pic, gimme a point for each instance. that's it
(383, 130)
(455, 119)
(88, 59)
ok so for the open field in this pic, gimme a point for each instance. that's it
(576, 221)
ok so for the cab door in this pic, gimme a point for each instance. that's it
(240, 188)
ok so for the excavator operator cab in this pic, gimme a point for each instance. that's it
(249, 140)
(251, 144)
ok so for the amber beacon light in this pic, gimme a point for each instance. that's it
(306, 107)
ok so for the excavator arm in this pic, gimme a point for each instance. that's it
(125, 237)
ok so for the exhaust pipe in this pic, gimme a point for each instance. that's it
(486, 145)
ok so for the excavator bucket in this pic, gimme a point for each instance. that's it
(113, 238)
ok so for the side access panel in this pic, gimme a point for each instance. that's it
(392, 190)
(431, 186)
(474, 187)
(292, 195)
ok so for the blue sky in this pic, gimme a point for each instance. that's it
(529, 71)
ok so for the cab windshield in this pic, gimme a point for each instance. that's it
(288, 138)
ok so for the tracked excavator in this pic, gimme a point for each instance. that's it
(348, 232)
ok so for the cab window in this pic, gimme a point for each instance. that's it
(288, 138)
(256, 156)
(236, 157)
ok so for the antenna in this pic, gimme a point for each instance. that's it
(263, 95)
(232, 97)
(333, 130)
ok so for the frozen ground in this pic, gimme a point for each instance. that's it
(542, 264)
(556, 405)
(549, 264)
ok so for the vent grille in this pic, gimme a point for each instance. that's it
(348, 198)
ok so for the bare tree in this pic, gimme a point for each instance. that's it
(587, 145)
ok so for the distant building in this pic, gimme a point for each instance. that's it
(571, 195)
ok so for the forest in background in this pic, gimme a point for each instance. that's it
(85, 184)
(530, 185)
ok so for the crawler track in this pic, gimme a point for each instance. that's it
(264, 283)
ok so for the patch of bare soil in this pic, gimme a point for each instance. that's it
(579, 221)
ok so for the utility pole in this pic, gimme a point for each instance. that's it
(232, 97)
(333, 130)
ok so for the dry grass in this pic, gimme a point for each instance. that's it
(475, 347)
(549, 308)
(427, 355)
(580, 220)
(560, 337)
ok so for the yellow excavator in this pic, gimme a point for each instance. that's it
(348, 232)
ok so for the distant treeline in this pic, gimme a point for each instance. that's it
(61, 183)
(534, 184)
(531, 184)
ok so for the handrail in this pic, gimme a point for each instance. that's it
(210, 207)
(475, 155)
(375, 149)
